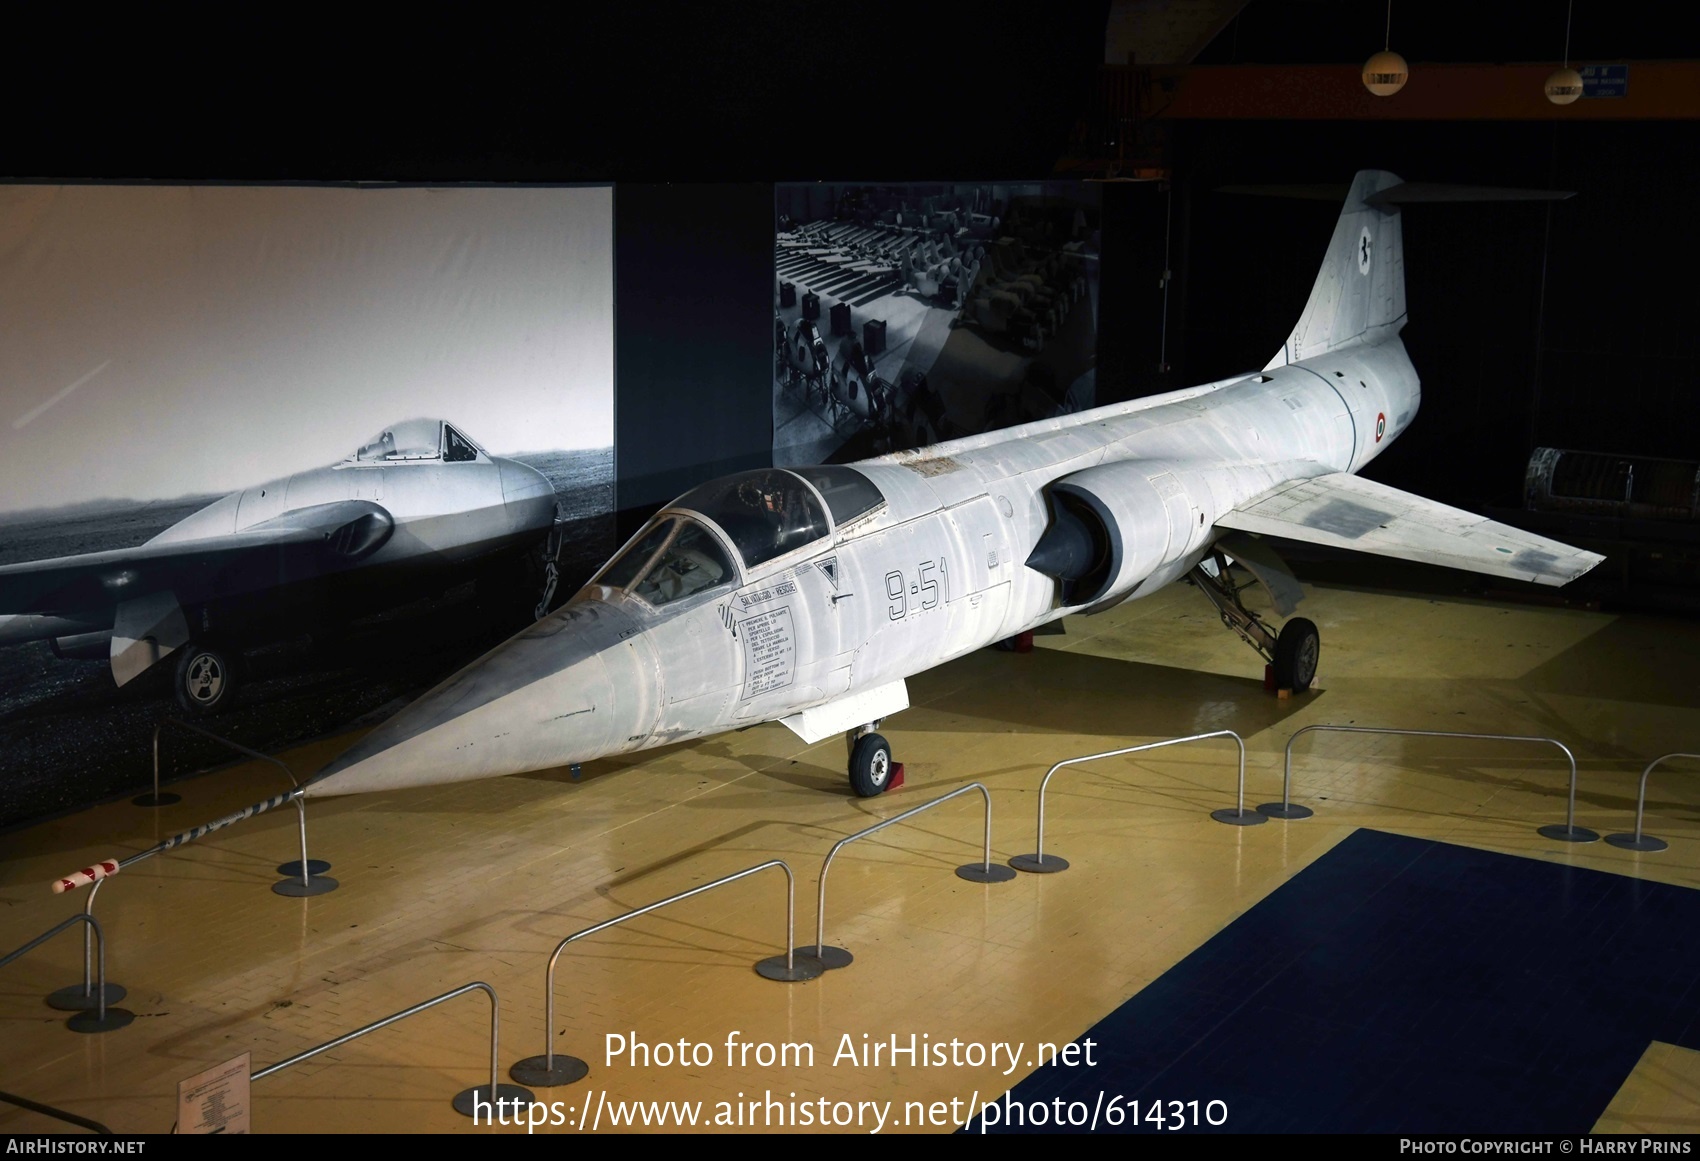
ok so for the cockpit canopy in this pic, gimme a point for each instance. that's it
(770, 512)
(675, 558)
(765, 513)
(417, 439)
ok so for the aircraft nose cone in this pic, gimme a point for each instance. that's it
(523, 482)
(578, 684)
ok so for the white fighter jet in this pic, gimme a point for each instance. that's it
(416, 505)
(808, 595)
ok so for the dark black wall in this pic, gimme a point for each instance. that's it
(693, 290)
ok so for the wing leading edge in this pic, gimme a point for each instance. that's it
(1345, 511)
(296, 545)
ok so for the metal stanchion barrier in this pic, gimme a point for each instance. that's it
(1040, 863)
(303, 877)
(466, 1101)
(982, 872)
(1568, 833)
(57, 1114)
(552, 1068)
(102, 1018)
(156, 798)
(1640, 841)
(93, 876)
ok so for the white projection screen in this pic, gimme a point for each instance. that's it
(165, 346)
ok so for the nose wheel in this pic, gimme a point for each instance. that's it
(872, 772)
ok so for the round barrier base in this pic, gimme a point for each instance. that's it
(1238, 817)
(1568, 834)
(803, 967)
(1286, 810)
(315, 885)
(1039, 864)
(476, 1101)
(535, 1070)
(985, 873)
(293, 867)
(74, 999)
(1630, 843)
(88, 1021)
(829, 958)
(163, 798)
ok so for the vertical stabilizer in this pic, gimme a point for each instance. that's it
(1359, 296)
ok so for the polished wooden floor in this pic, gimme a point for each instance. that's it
(478, 882)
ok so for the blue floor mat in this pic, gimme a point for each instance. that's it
(1400, 985)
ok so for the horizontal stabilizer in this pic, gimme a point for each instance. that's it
(1346, 511)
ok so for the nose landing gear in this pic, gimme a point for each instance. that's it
(872, 772)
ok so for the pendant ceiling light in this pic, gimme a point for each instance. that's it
(1385, 73)
(1565, 85)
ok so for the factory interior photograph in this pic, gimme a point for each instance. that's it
(1127, 567)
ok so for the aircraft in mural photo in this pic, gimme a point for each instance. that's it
(807, 595)
(415, 508)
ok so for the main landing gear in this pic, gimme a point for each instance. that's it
(1292, 653)
(872, 772)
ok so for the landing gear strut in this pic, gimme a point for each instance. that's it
(872, 772)
(1292, 653)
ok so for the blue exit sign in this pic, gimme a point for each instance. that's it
(1605, 81)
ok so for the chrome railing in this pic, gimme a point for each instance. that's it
(1039, 863)
(465, 1102)
(982, 872)
(1639, 841)
(1569, 832)
(552, 1069)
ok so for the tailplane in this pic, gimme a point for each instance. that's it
(1359, 296)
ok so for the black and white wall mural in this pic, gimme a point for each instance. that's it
(909, 314)
(277, 457)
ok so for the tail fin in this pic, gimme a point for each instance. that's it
(1359, 296)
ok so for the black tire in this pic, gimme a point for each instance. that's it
(206, 678)
(870, 766)
(1296, 652)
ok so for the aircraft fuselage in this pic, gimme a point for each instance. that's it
(936, 571)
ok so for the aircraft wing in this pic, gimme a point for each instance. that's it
(1347, 511)
(294, 546)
